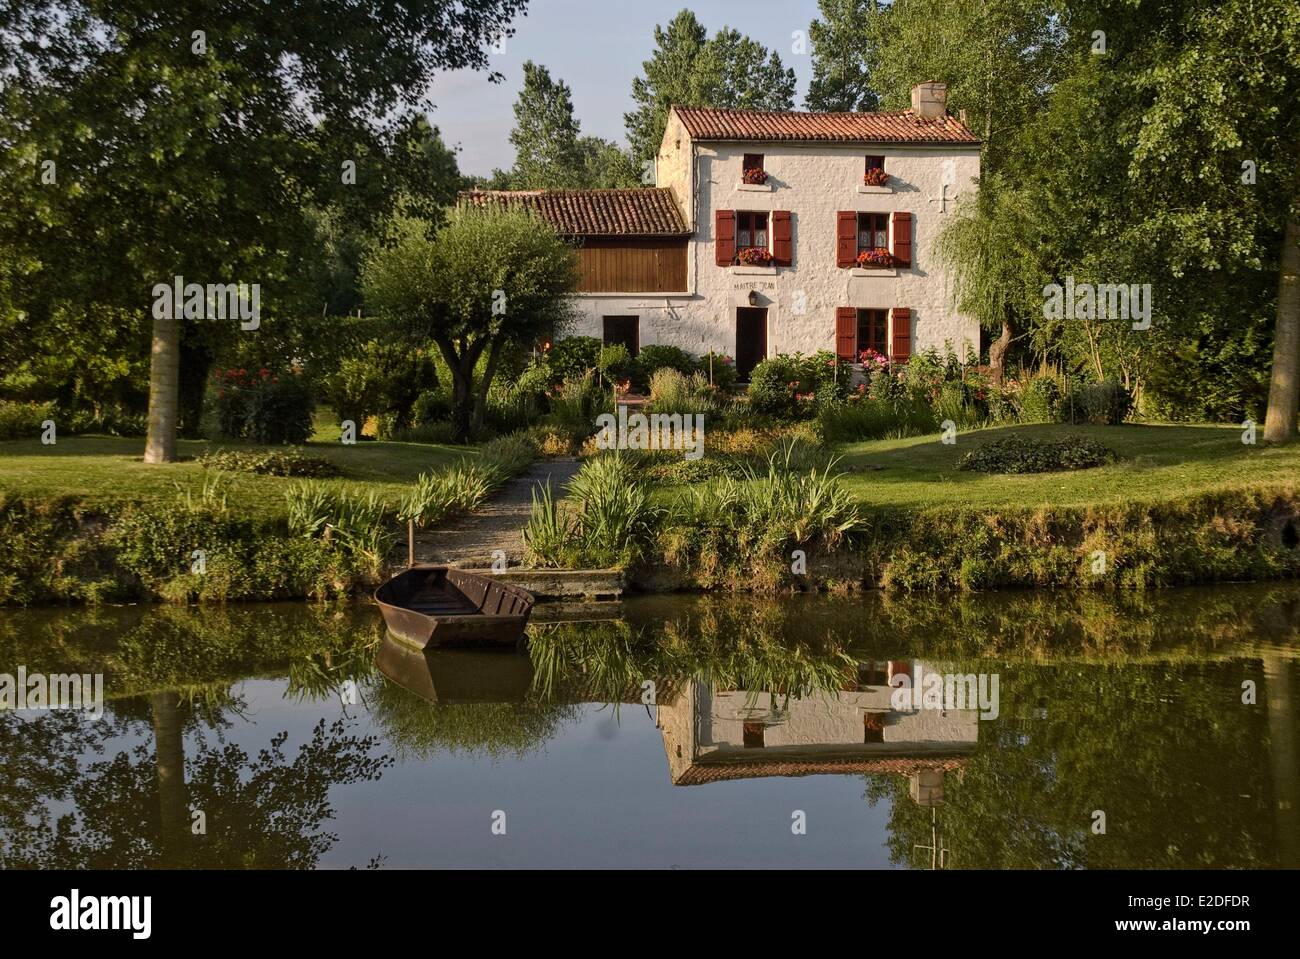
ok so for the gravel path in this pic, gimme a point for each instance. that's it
(469, 541)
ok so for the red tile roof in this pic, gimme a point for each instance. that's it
(699, 774)
(645, 211)
(902, 126)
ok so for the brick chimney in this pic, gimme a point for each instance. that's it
(930, 99)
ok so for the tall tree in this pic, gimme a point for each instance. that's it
(489, 279)
(545, 136)
(144, 142)
(843, 44)
(690, 69)
(550, 152)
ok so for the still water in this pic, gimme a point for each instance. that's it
(1099, 731)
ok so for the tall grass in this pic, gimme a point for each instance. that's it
(607, 520)
(873, 418)
(357, 522)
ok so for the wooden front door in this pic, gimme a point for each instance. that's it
(751, 339)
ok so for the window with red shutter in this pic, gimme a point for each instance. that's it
(846, 333)
(846, 238)
(900, 334)
(902, 250)
(782, 238)
(724, 237)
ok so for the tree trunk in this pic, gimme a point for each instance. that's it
(164, 391)
(1284, 387)
(169, 763)
(489, 371)
(998, 349)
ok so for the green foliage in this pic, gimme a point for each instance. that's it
(263, 407)
(572, 358)
(1020, 454)
(576, 405)
(384, 379)
(867, 417)
(788, 385)
(658, 356)
(1040, 400)
(495, 279)
(20, 420)
(842, 52)
(671, 392)
(610, 523)
(292, 462)
(1101, 404)
(689, 67)
(614, 363)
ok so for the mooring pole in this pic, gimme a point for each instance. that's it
(410, 543)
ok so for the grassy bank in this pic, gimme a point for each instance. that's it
(100, 472)
(1154, 463)
(1177, 505)
(87, 521)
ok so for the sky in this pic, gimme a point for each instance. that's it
(597, 49)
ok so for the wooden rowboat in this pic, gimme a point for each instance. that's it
(441, 606)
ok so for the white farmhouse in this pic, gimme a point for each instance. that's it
(776, 233)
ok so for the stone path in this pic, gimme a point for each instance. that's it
(468, 541)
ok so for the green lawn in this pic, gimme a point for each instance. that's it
(1155, 462)
(104, 469)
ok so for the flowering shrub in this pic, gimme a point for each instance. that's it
(263, 407)
(874, 258)
(754, 256)
(876, 176)
(791, 385)
(872, 361)
(754, 175)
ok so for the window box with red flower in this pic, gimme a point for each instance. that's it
(875, 258)
(876, 176)
(755, 256)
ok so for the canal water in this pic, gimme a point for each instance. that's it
(1038, 730)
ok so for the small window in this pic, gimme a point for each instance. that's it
(751, 230)
(753, 161)
(753, 735)
(625, 330)
(872, 332)
(874, 174)
(873, 231)
(873, 727)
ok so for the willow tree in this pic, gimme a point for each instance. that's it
(488, 279)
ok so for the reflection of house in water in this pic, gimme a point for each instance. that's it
(712, 735)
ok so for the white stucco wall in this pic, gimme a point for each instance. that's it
(814, 182)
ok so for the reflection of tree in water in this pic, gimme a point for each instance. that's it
(1179, 766)
(133, 809)
(418, 729)
(743, 648)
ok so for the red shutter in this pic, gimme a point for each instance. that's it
(724, 237)
(903, 239)
(846, 238)
(846, 333)
(901, 346)
(782, 238)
